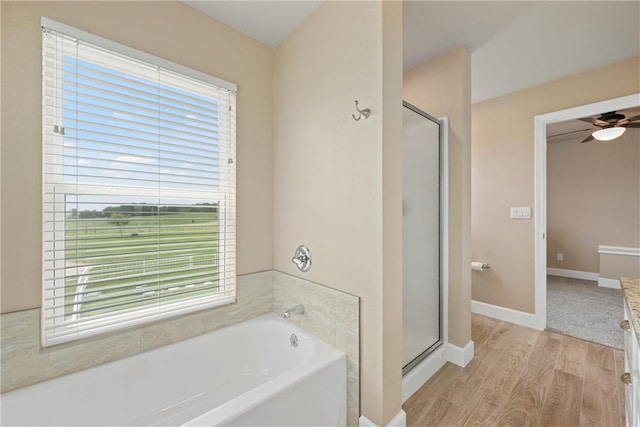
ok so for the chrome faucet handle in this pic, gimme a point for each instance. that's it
(302, 258)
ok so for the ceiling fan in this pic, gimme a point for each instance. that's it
(612, 125)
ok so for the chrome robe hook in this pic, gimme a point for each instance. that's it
(361, 113)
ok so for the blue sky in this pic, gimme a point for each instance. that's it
(124, 130)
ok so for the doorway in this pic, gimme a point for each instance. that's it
(540, 226)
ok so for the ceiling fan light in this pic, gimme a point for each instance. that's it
(608, 134)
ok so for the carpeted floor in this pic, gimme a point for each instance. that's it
(582, 309)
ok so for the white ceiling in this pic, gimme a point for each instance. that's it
(267, 21)
(520, 44)
(514, 44)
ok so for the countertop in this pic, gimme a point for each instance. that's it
(631, 292)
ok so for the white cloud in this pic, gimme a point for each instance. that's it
(135, 159)
(168, 171)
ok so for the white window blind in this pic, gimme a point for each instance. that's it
(139, 187)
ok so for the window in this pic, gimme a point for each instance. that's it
(139, 187)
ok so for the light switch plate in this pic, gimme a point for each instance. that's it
(521, 212)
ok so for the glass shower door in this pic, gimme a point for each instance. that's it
(421, 235)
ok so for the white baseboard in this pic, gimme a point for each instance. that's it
(420, 374)
(573, 274)
(400, 420)
(366, 422)
(502, 313)
(459, 356)
(609, 283)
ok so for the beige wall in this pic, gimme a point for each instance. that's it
(441, 87)
(593, 198)
(170, 30)
(502, 173)
(617, 266)
(336, 180)
(392, 131)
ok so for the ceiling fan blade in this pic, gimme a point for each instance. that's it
(587, 139)
(632, 125)
(571, 132)
(571, 135)
(626, 121)
(594, 121)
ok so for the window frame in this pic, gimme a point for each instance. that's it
(226, 209)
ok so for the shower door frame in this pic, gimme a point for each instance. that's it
(443, 149)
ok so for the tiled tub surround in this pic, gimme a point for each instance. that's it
(331, 315)
(631, 292)
(24, 363)
(246, 374)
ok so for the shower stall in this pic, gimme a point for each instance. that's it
(422, 208)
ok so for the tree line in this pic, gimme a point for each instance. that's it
(143, 209)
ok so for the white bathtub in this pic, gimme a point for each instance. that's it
(245, 374)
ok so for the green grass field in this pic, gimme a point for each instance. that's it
(148, 259)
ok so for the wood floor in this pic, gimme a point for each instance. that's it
(524, 377)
